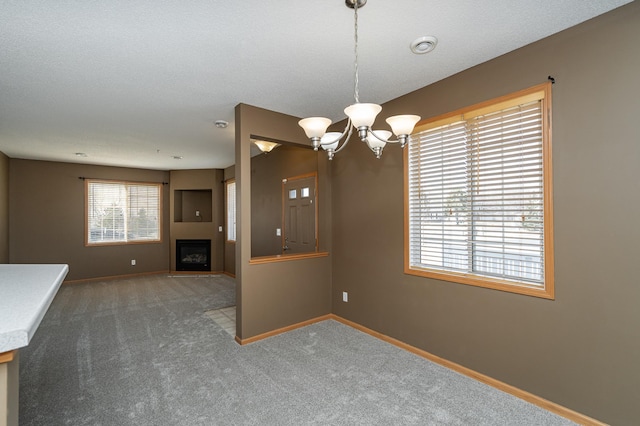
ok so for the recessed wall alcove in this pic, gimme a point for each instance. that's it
(192, 205)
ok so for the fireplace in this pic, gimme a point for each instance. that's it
(193, 255)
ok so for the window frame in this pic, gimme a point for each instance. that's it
(235, 208)
(547, 290)
(88, 243)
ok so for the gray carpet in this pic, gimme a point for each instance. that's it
(142, 352)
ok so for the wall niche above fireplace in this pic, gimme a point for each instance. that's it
(192, 205)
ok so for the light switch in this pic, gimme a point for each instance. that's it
(219, 228)
(278, 232)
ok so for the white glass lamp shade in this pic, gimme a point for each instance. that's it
(314, 127)
(362, 115)
(374, 142)
(330, 140)
(265, 146)
(403, 124)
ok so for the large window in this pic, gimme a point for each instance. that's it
(231, 210)
(478, 206)
(122, 212)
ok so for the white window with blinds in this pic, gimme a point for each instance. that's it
(122, 212)
(478, 196)
(231, 210)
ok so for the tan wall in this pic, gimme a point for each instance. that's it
(206, 179)
(582, 349)
(4, 208)
(47, 220)
(275, 295)
(230, 258)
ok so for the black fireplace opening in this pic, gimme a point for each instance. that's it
(193, 255)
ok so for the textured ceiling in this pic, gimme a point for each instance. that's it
(136, 82)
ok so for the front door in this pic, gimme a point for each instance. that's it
(299, 207)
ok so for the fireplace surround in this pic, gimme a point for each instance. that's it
(193, 255)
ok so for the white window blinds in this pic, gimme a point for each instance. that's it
(231, 210)
(475, 196)
(120, 212)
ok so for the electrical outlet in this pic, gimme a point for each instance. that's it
(133, 262)
(345, 296)
(278, 232)
(197, 213)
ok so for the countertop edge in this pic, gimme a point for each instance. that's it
(21, 336)
(50, 295)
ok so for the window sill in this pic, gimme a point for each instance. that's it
(122, 243)
(545, 292)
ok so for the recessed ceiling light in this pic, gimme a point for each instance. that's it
(81, 154)
(423, 45)
(221, 124)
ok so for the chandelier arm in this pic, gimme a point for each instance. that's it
(348, 138)
(380, 139)
(389, 140)
(346, 129)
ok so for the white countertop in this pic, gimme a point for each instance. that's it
(26, 292)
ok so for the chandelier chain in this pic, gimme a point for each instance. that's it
(360, 116)
(356, 93)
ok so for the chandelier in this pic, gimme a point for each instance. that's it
(360, 115)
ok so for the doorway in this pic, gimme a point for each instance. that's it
(299, 207)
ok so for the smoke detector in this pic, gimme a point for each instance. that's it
(423, 45)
